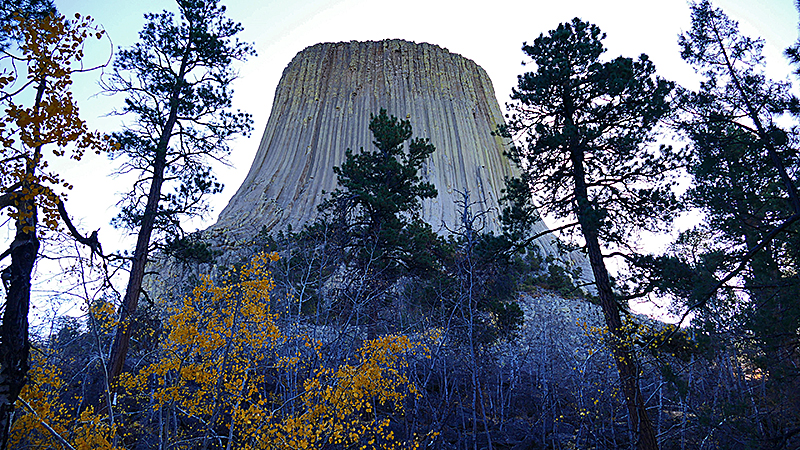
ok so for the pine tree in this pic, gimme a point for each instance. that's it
(374, 217)
(746, 163)
(177, 80)
(744, 170)
(379, 196)
(584, 125)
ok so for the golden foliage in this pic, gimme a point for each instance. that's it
(47, 393)
(220, 371)
(50, 50)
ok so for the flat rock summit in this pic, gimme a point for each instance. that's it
(322, 107)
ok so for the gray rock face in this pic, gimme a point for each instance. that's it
(322, 107)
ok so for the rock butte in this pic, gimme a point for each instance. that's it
(322, 107)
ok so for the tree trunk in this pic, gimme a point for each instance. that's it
(620, 348)
(119, 349)
(14, 342)
(15, 345)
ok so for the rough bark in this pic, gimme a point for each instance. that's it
(14, 342)
(620, 347)
(130, 302)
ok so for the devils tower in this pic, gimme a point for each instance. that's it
(322, 107)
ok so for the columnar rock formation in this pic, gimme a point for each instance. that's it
(322, 107)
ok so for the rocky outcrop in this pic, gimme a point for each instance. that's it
(322, 107)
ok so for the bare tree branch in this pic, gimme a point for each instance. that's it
(64, 443)
(91, 241)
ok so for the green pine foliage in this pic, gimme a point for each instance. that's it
(176, 80)
(379, 197)
(742, 261)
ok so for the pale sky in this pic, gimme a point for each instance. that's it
(489, 33)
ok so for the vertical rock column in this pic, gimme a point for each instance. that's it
(322, 107)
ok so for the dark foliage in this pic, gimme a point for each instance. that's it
(584, 127)
(740, 266)
(11, 9)
(377, 203)
(177, 81)
(190, 248)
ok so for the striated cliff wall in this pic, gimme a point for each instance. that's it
(322, 107)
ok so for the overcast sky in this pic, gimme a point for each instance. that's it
(489, 33)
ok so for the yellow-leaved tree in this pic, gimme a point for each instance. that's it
(40, 121)
(230, 373)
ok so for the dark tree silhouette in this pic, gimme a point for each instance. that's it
(583, 127)
(177, 80)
